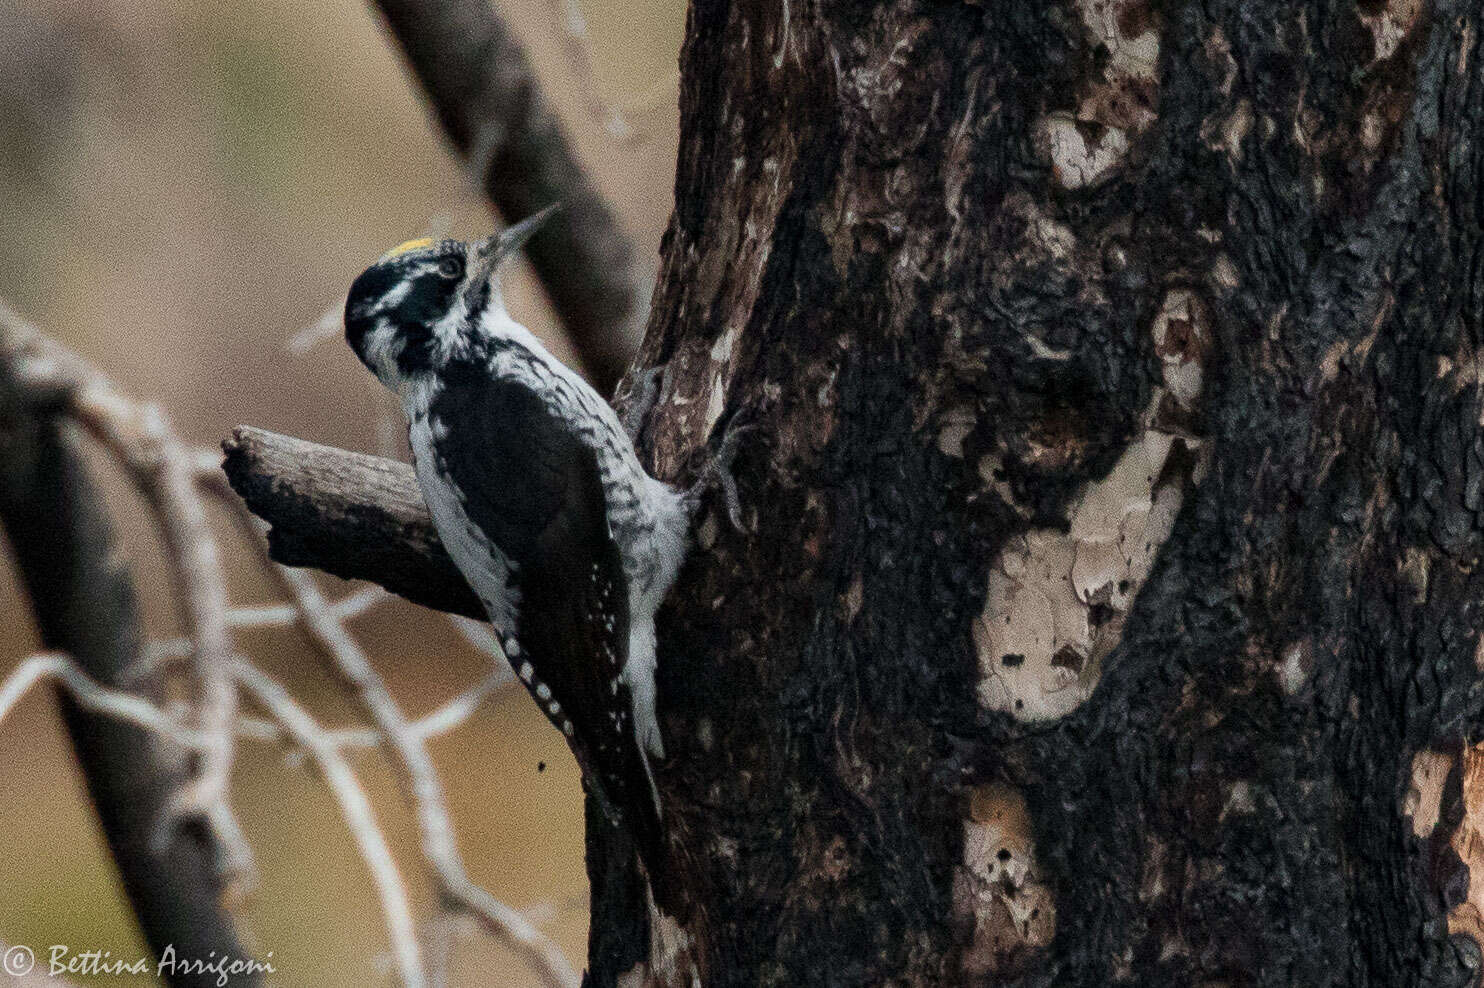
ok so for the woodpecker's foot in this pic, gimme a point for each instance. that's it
(718, 473)
(644, 393)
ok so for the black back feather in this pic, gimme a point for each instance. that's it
(535, 490)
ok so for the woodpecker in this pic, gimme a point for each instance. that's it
(538, 496)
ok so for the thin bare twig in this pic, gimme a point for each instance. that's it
(172, 721)
(263, 616)
(359, 816)
(444, 720)
(482, 638)
(142, 440)
(93, 695)
(326, 327)
(290, 721)
(173, 478)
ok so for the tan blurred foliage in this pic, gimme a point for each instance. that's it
(187, 185)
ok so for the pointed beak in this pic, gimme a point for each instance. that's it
(492, 252)
(514, 238)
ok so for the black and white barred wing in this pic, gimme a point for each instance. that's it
(534, 489)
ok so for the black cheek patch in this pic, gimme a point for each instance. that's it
(425, 304)
(416, 355)
(479, 300)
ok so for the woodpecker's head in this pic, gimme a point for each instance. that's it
(422, 301)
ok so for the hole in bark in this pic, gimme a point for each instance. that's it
(1067, 657)
(1178, 333)
(1004, 854)
(1012, 660)
(1134, 19)
(541, 766)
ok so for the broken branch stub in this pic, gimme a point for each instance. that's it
(355, 516)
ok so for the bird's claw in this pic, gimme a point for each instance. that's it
(718, 473)
(644, 394)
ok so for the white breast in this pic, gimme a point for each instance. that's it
(483, 565)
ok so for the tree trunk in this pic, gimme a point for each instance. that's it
(1111, 613)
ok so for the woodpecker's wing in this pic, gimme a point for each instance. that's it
(534, 488)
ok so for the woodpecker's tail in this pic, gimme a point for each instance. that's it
(627, 803)
(614, 766)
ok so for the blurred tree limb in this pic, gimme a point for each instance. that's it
(84, 604)
(486, 95)
(154, 755)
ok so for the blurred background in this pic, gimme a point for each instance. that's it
(187, 186)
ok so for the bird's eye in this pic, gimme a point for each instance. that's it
(451, 267)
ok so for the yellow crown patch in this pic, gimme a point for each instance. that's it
(410, 245)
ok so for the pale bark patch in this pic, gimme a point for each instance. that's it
(1114, 106)
(1224, 274)
(1424, 799)
(671, 963)
(998, 894)
(1467, 916)
(1182, 338)
(1033, 637)
(1423, 807)
(955, 426)
(1227, 131)
(1295, 666)
(1079, 159)
(1055, 601)
(1390, 26)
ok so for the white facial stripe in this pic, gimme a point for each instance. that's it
(393, 298)
(448, 332)
(383, 345)
(451, 332)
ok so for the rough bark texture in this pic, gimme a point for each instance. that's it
(1111, 609)
(1019, 292)
(83, 600)
(480, 82)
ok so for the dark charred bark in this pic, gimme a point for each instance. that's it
(83, 600)
(1111, 609)
(964, 261)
